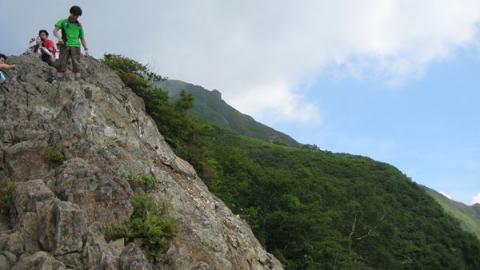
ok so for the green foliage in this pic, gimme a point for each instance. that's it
(149, 224)
(319, 210)
(312, 209)
(84, 133)
(126, 65)
(56, 95)
(142, 183)
(125, 175)
(148, 182)
(211, 108)
(185, 102)
(467, 215)
(312, 147)
(54, 155)
(7, 189)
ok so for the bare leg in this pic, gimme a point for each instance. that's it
(77, 76)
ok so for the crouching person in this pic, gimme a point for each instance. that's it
(45, 47)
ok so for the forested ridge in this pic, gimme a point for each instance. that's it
(312, 209)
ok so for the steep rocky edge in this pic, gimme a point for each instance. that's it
(60, 210)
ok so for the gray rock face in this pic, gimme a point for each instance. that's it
(39, 261)
(132, 258)
(63, 205)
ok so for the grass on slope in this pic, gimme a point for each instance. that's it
(468, 217)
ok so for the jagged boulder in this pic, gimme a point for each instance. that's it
(64, 144)
(39, 261)
(46, 222)
(98, 253)
(132, 258)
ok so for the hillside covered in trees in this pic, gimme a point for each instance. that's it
(210, 107)
(469, 216)
(312, 209)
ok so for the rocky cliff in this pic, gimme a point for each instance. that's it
(61, 207)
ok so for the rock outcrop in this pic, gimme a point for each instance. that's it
(61, 207)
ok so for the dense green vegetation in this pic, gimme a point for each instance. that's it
(312, 209)
(210, 107)
(319, 210)
(469, 216)
(149, 224)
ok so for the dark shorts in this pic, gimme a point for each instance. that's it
(48, 59)
(69, 53)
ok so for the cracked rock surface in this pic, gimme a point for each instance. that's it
(61, 208)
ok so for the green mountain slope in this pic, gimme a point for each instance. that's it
(476, 208)
(321, 210)
(313, 209)
(210, 107)
(469, 216)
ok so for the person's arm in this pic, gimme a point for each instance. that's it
(85, 47)
(51, 48)
(7, 66)
(57, 35)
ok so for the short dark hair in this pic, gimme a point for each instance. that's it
(76, 10)
(3, 56)
(43, 31)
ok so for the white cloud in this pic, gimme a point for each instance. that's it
(276, 102)
(476, 199)
(446, 195)
(258, 52)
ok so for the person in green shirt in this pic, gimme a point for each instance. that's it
(69, 42)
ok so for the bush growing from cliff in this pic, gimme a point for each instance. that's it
(54, 156)
(150, 224)
(143, 183)
(7, 189)
(148, 182)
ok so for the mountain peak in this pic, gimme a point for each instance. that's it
(216, 94)
(210, 107)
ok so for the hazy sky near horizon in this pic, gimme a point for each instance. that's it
(396, 80)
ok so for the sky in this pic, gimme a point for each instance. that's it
(395, 80)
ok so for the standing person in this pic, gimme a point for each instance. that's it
(4, 66)
(69, 42)
(46, 47)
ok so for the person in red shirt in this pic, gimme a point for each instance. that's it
(46, 47)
